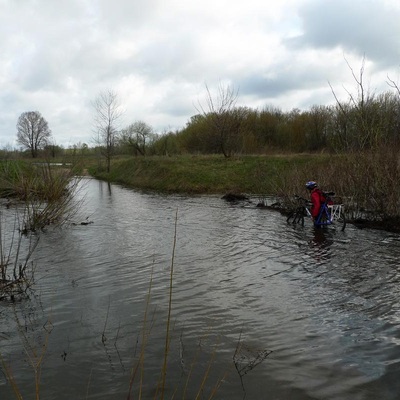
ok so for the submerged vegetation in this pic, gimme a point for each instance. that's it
(16, 267)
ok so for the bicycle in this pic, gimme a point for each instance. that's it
(330, 213)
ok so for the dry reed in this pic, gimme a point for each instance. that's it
(139, 365)
(366, 182)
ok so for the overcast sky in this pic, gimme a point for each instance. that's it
(56, 56)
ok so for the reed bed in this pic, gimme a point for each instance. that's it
(44, 194)
(365, 182)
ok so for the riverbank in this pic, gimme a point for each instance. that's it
(366, 183)
(206, 174)
(271, 175)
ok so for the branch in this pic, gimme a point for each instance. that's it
(393, 85)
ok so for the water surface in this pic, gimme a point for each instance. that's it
(304, 313)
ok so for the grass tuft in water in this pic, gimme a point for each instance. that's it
(16, 268)
(44, 192)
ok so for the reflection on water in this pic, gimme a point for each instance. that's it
(306, 313)
(321, 241)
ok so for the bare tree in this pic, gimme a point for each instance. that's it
(137, 136)
(224, 119)
(108, 112)
(393, 84)
(359, 112)
(33, 131)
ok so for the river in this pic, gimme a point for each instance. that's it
(260, 309)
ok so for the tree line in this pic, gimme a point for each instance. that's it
(363, 121)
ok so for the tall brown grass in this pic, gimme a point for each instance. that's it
(366, 182)
(45, 193)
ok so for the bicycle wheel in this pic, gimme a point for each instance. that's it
(300, 218)
(295, 217)
(341, 221)
(290, 218)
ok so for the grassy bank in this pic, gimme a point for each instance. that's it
(366, 182)
(206, 174)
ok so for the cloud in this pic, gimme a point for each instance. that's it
(363, 27)
(57, 56)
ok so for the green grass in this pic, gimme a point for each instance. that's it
(204, 174)
(367, 182)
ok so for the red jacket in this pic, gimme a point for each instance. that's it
(317, 197)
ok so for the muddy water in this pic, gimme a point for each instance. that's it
(260, 309)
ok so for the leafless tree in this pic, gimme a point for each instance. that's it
(108, 113)
(393, 85)
(358, 112)
(33, 131)
(137, 136)
(224, 119)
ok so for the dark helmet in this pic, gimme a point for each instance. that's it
(311, 185)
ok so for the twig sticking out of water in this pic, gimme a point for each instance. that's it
(9, 375)
(246, 358)
(103, 335)
(34, 352)
(16, 273)
(145, 337)
(139, 365)
(166, 348)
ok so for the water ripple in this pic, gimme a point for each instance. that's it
(325, 302)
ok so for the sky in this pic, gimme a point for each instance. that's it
(158, 56)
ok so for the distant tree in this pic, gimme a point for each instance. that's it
(165, 144)
(223, 118)
(195, 137)
(108, 112)
(318, 124)
(137, 136)
(53, 150)
(33, 131)
(268, 123)
(84, 148)
(78, 149)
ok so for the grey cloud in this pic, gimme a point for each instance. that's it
(365, 27)
(283, 78)
(38, 77)
(177, 104)
(169, 57)
(264, 87)
(122, 13)
(63, 53)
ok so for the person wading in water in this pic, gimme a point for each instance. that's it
(317, 198)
